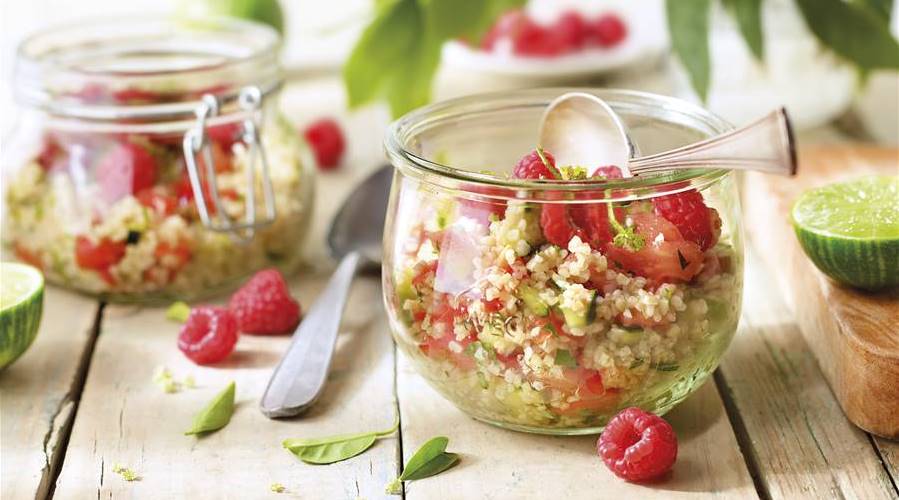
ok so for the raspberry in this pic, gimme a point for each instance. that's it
(507, 25)
(482, 211)
(607, 172)
(572, 30)
(689, 213)
(125, 170)
(609, 30)
(327, 142)
(532, 167)
(263, 305)
(209, 335)
(637, 446)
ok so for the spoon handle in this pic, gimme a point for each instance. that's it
(766, 145)
(300, 376)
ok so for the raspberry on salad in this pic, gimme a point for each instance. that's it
(209, 334)
(637, 446)
(263, 305)
(689, 213)
(534, 166)
(326, 140)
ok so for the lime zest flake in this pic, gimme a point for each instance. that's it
(277, 488)
(549, 166)
(166, 381)
(179, 311)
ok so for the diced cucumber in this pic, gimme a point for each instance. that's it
(564, 358)
(630, 336)
(532, 301)
(580, 320)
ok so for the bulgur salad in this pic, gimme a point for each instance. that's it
(114, 214)
(542, 315)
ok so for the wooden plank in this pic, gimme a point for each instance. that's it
(38, 395)
(499, 464)
(889, 454)
(852, 333)
(795, 432)
(126, 419)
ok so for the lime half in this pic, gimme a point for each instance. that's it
(21, 304)
(850, 230)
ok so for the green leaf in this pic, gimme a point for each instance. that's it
(179, 311)
(331, 449)
(853, 31)
(431, 459)
(883, 8)
(399, 52)
(688, 23)
(748, 14)
(216, 414)
(564, 358)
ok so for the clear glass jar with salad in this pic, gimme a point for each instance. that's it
(149, 161)
(543, 297)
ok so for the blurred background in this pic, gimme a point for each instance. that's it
(750, 68)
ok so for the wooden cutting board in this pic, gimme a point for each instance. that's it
(854, 334)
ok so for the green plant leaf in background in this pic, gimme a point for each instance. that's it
(748, 14)
(264, 11)
(688, 23)
(397, 55)
(853, 31)
(216, 414)
(883, 8)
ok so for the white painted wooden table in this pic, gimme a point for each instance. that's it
(82, 400)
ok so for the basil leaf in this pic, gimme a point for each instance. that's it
(688, 22)
(179, 311)
(748, 14)
(853, 31)
(216, 414)
(331, 449)
(564, 358)
(429, 460)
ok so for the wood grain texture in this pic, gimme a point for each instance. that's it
(501, 464)
(38, 395)
(855, 335)
(126, 419)
(800, 441)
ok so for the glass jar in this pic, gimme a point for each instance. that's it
(150, 162)
(518, 301)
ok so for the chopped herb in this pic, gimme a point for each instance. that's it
(431, 459)
(277, 488)
(636, 363)
(564, 358)
(132, 238)
(666, 367)
(126, 473)
(683, 260)
(549, 166)
(625, 237)
(482, 380)
(179, 311)
(552, 329)
(573, 173)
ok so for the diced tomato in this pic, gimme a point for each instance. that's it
(438, 348)
(99, 256)
(28, 256)
(665, 255)
(50, 153)
(492, 306)
(160, 202)
(181, 253)
(224, 136)
(135, 95)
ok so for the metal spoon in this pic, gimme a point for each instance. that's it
(581, 129)
(355, 238)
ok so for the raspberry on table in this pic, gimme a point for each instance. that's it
(263, 305)
(209, 334)
(327, 142)
(608, 30)
(689, 213)
(637, 446)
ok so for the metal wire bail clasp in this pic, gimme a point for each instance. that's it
(204, 184)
